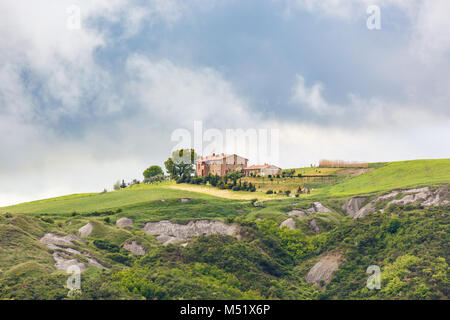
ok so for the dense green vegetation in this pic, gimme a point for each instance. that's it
(409, 243)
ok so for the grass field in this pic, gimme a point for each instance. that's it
(264, 184)
(394, 175)
(316, 171)
(106, 201)
(312, 177)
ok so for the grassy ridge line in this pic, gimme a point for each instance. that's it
(107, 201)
(393, 175)
(383, 178)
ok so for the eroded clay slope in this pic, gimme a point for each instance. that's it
(324, 268)
(424, 196)
(168, 232)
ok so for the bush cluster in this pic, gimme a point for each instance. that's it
(106, 245)
(231, 181)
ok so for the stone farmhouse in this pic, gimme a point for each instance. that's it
(262, 170)
(219, 164)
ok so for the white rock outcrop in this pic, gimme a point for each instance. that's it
(353, 206)
(86, 230)
(63, 263)
(314, 226)
(317, 207)
(124, 222)
(53, 240)
(134, 247)
(440, 197)
(168, 232)
(289, 223)
(297, 213)
(63, 255)
(258, 204)
(323, 270)
(424, 196)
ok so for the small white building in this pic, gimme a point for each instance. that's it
(262, 170)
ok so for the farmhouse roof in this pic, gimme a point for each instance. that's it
(257, 167)
(215, 157)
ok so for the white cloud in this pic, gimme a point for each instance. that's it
(305, 144)
(38, 50)
(374, 112)
(430, 38)
(35, 39)
(311, 98)
(178, 95)
(47, 72)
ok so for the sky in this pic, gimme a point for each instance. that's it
(96, 91)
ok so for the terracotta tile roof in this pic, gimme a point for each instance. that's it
(214, 157)
(257, 167)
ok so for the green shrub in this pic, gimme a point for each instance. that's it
(121, 258)
(48, 220)
(394, 225)
(106, 245)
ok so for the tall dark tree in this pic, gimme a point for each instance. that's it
(181, 164)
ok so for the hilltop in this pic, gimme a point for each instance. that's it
(380, 177)
(392, 175)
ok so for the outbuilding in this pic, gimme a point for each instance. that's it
(262, 170)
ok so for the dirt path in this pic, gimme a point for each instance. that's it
(227, 194)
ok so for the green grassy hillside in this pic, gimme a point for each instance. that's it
(394, 175)
(104, 201)
(408, 242)
(382, 178)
